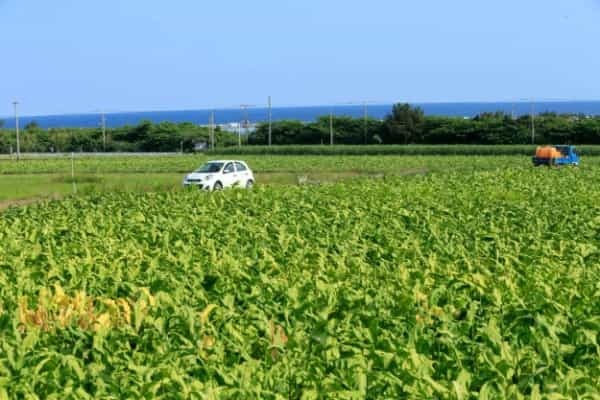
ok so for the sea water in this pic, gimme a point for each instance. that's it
(306, 114)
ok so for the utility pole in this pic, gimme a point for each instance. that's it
(16, 104)
(364, 104)
(365, 122)
(211, 130)
(103, 122)
(245, 122)
(73, 173)
(532, 122)
(270, 122)
(331, 126)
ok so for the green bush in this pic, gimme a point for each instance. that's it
(480, 150)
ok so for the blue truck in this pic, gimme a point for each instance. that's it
(556, 156)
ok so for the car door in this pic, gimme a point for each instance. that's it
(574, 156)
(229, 176)
(242, 173)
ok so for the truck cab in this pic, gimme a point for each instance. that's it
(556, 155)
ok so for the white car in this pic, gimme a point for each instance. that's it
(219, 174)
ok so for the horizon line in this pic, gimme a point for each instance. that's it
(265, 106)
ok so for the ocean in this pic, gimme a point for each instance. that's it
(309, 113)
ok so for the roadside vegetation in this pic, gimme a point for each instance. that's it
(396, 150)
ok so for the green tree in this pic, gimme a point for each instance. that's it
(283, 132)
(32, 126)
(404, 125)
(587, 130)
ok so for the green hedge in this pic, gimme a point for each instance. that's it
(481, 150)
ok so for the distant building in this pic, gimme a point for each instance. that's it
(200, 146)
(234, 127)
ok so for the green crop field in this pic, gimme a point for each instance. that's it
(259, 163)
(477, 279)
(269, 163)
(33, 179)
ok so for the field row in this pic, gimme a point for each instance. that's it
(342, 150)
(272, 163)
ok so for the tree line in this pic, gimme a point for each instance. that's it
(144, 137)
(404, 125)
(409, 125)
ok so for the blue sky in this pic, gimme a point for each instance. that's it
(67, 56)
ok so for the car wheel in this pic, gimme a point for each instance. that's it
(249, 184)
(218, 186)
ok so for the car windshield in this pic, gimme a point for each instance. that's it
(563, 150)
(210, 167)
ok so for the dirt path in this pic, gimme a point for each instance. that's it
(5, 204)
